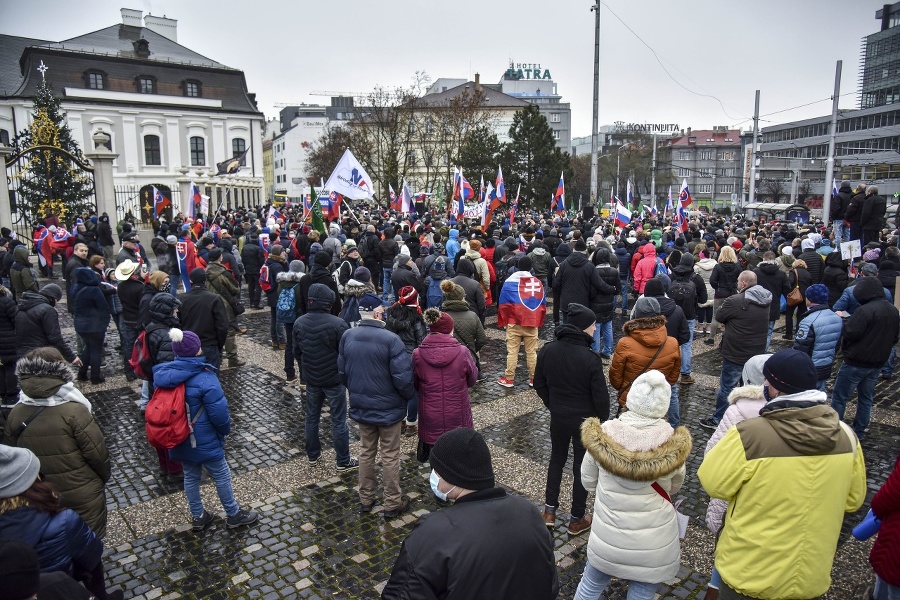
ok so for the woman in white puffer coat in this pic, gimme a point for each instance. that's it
(745, 403)
(634, 533)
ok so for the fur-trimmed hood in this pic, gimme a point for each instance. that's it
(289, 276)
(647, 465)
(648, 331)
(747, 392)
(38, 367)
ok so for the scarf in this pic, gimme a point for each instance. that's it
(67, 392)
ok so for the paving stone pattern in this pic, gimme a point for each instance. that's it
(311, 542)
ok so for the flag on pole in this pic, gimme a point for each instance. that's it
(439, 196)
(515, 206)
(629, 194)
(394, 198)
(160, 202)
(623, 215)
(349, 179)
(406, 203)
(668, 203)
(196, 199)
(834, 188)
(500, 186)
(488, 206)
(482, 189)
(685, 195)
(331, 205)
(318, 223)
(462, 190)
(559, 198)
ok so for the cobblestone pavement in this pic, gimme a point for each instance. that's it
(310, 542)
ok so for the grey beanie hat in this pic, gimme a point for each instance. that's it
(52, 291)
(19, 469)
(297, 266)
(645, 307)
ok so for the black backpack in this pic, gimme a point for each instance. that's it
(684, 293)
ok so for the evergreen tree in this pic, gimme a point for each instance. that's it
(533, 158)
(51, 183)
(480, 154)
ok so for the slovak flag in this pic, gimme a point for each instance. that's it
(462, 189)
(515, 205)
(160, 202)
(668, 202)
(623, 215)
(685, 195)
(334, 206)
(394, 199)
(681, 221)
(629, 194)
(500, 186)
(522, 301)
(653, 210)
(406, 203)
(559, 198)
(488, 206)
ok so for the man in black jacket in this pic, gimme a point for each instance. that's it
(203, 312)
(745, 316)
(317, 339)
(388, 249)
(854, 212)
(815, 264)
(368, 250)
(839, 206)
(492, 544)
(253, 258)
(276, 264)
(319, 274)
(569, 379)
(868, 336)
(687, 290)
(37, 323)
(78, 259)
(403, 276)
(577, 281)
(872, 218)
(604, 304)
(769, 276)
(130, 289)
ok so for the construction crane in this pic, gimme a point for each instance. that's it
(330, 93)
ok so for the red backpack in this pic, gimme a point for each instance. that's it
(142, 360)
(264, 282)
(168, 418)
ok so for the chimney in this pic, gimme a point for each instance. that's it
(168, 28)
(132, 17)
(477, 81)
(689, 131)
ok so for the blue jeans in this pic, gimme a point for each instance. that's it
(594, 582)
(715, 580)
(861, 379)
(386, 290)
(624, 294)
(674, 414)
(276, 329)
(603, 333)
(146, 394)
(92, 355)
(885, 591)
(728, 380)
(340, 432)
(687, 350)
(412, 409)
(888, 367)
(221, 476)
(769, 335)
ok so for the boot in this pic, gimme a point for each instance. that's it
(236, 362)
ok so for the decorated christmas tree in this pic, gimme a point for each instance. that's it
(51, 182)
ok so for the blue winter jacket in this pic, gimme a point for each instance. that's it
(201, 388)
(63, 542)
(848, 302)
(91, 307)
(624, 263)
(377, 370)
(818, 336)
(453, 244)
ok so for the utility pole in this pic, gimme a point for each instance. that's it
(752, 195)
(653, 174)
(829, 164)
(596, 125)
(618, 166)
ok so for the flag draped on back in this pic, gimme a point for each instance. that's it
(522, 301)
(188, 260)
(349, 179)
(42, 243)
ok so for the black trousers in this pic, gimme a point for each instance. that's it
(564, 433)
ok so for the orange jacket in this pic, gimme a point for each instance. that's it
(634, 351)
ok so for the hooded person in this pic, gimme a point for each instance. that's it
(646, 345)
(404, 318)
(358, 290)
(465, 278)
(443, 372)
(798, 461)
(467, 327)
(634, 464)
(482, 271)
(482, 527)
(62, 433)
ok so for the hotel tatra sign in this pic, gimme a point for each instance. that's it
(527, 71)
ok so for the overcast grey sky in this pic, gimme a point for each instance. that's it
(725, 48)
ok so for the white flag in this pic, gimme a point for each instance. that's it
(349, 179)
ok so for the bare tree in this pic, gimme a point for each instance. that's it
(774, 188)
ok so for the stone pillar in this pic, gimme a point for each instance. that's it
(104, 185)
(5, 208)
(184, 195)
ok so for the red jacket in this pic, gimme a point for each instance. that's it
(885, 555)
(646, 268)
(443, 372)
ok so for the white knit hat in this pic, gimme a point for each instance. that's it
(649, 395)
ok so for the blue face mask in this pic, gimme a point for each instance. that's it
(434, 480)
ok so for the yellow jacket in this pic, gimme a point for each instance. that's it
(789, 476)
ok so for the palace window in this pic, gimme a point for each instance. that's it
(198, 152)
(152, 153)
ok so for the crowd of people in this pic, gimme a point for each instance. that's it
(383, 317)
